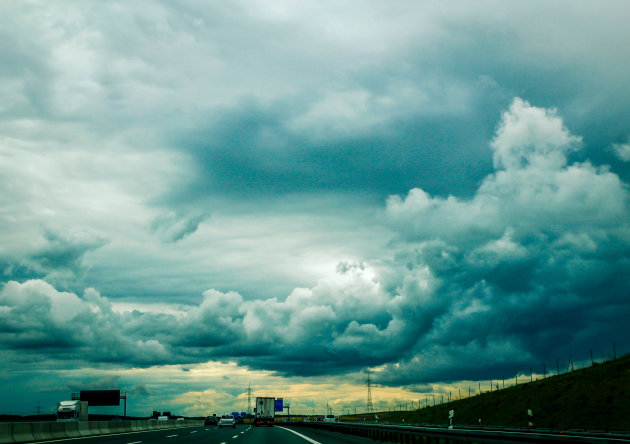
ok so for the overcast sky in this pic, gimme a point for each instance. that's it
(200, 195)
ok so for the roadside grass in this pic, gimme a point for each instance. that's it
(592, 398)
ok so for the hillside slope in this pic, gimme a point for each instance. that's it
(593, 398)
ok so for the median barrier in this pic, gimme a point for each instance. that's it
(63, 429)
(98, 427)
(22, 431)
(103, 427)
(6, 435)
(84, 428)
(41, 430)
(119, 426)
(106, 427)
(19, 432)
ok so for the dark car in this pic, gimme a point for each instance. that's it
(211, 420)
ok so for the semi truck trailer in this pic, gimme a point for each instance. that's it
(264, 412)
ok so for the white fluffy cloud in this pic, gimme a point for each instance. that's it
(530, 247)
(622, 150)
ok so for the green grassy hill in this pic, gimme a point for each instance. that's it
(593, 398)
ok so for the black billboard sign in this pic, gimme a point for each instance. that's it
(100, 397)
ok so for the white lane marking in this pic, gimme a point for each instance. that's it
(235, 436)
(171, 436)
(135, 442)
(57, 441)
(312, 441)
(194, 431)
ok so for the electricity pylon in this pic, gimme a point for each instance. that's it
(370, 407)
(249, 398)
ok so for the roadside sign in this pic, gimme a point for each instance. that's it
(100, 397)
(279, 405)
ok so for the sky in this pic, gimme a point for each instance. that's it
(199, 196)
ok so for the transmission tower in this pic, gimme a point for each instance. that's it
(370, 407)
(249, 399)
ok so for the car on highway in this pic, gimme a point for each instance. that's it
(331, 418)
(211, 420)
(227, 421)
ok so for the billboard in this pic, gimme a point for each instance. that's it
(100, 397)
(278, 405)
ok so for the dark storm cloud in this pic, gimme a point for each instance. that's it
(533, 265)
(105, 383)
(268, 110)
(511, 235)
(172, 227)
(253, 150)
(139, 390)
(59, 259)
(63, 253)
(435, 136)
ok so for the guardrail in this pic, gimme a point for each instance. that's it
(16, 432)
(430, 435)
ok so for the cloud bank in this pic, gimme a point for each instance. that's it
(531, 266)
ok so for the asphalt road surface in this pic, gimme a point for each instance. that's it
(242, 434)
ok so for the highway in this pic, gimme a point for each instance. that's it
(242, 434)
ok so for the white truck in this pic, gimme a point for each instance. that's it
(72, 411)
(265, 411)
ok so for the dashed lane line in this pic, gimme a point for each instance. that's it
(57, 441)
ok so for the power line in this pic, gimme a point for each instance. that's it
(249, 398)
(370, 407)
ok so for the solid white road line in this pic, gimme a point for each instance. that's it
(312, 441)
(135, 442)
(57, 441)
(194, 431)
(172, 436)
